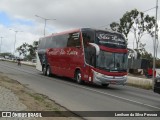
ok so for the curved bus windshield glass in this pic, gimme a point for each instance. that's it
(112, 61)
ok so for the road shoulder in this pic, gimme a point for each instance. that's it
(20, 98)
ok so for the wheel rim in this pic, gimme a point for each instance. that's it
(44, 71)
(48, 71)
(79, 77)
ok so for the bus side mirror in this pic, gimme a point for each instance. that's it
(96, 47)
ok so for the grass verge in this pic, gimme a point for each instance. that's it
(147, 86)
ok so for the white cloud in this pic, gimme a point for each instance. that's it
(68, 14)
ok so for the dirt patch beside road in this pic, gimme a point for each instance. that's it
(35, 101)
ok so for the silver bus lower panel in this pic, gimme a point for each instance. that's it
(100, 79)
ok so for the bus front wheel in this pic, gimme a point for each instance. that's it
(78, 77)
(105, 85)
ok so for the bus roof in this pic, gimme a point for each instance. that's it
(77, 30)
(64, 32)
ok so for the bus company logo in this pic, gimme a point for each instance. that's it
(72, 52)
(6, 114)
(55, 52)
(62, 52)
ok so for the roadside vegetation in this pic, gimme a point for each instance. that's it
(146, 86)
(139, 24)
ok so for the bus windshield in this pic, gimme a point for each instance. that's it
(112, 61)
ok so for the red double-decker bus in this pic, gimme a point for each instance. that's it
(86, 55)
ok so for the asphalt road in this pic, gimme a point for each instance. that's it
(85, 97)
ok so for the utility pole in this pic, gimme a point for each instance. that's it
(16, 31)
(154, 45)
(45, 21)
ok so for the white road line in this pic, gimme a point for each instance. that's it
(105, 93)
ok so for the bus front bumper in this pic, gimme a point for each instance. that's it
(101, 79)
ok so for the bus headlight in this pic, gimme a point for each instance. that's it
(98, 74)
(125, 76)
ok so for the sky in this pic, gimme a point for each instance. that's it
(19, 15)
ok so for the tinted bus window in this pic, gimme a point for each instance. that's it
(56, 41)
(42, 43)
(90, 55)
(39, 44)
(74, 40)
(61, 41)
(50, 43)
(88, 37)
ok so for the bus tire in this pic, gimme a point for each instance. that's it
(48, 71)
(105, 85)
(44, 71)
(78, 77)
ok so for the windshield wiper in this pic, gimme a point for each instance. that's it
(104, 68)
(118, 70)
(123, 70)
(112, 69)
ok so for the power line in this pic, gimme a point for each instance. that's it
(149, 9)
(118, 21)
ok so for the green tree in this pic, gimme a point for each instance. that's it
(137, 23)
(158, 63)
(147, 55)
(27, 50)
(32, 49)
(23, 49)
(6, 54)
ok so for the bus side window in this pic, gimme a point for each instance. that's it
(90, 55)
(42, 43)
(74, 40)
(61, 41)
(49, 42)
(39, 44)
(88, 37)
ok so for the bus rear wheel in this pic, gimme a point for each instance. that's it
(44, 71)
(48, 71)
(78, 77)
